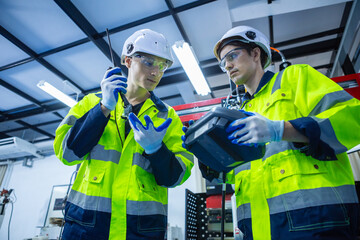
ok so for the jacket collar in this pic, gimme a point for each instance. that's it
(264, 80)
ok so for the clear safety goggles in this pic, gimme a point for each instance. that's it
(150, 63)
(230, 57)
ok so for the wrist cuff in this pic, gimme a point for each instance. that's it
(107, 106)
(153, 150)
(279, 130)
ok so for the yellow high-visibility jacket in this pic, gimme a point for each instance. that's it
(299, 191)
(116, 179)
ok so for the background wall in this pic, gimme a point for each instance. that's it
(32, 187)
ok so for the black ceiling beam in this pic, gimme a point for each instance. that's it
(27, 126)
(339, 30)
(20, 93)
(26, 96)
(271, 30)
(36, 129)
(3, 135)
(79, 19)
(328, 66)
(31, 53)
(43, 62)
(32, 112)
(177, 21)
(35, 125)
(309, 49)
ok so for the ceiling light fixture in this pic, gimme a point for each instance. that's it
(50, 89)
(190, 64)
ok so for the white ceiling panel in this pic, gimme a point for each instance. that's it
(50, 128)
(40, 118)
(10, 125)
(10, 100)
(40, 24)
(9, 52)
(114, 13)
(178, 3)
(252, 9)
(302, 23)
(25, 78)
(28, 135)
(205, 31)
(167, 90)
(84, 64)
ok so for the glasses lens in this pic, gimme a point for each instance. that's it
(150, 63)
(163, 66)
(229, 57)
(222, 64)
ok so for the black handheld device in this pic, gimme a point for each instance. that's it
(208, 140)
(127, 105)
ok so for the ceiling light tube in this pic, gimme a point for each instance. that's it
(190, 64)
(50, 89)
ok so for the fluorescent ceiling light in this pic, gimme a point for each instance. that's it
(50, 89)
(191, 67)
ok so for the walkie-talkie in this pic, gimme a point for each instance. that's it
(127, 105)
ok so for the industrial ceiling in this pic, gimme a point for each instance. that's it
(57, 40)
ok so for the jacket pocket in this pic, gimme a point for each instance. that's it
(84, 203)
(309, 202)
(277, 102)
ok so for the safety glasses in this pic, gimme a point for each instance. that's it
(230, 57)
(150, 63)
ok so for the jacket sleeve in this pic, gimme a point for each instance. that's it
(172, 164)
(79, 132)
(331, 115)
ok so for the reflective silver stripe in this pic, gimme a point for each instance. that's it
(328, 135)
(277, 84)
(142, 162)
(68, 154)
(277, 147)
(329, 100)
(163, 115)
(312, 198)
(69, 120)
(243, 167)
(99, 153)
(187, 156)
(86, 202)
(182, 164)
(243, 211)
(145, 208)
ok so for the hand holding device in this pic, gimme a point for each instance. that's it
(255, 129)
(111, 85)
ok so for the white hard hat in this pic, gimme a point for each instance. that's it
(245, 34)
(147, 41)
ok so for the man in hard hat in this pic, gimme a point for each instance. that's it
(130, 151)
(303, 188)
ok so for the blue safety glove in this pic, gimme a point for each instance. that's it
(255, 129)
(111, 85)
(149, 137)
(184, 128)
